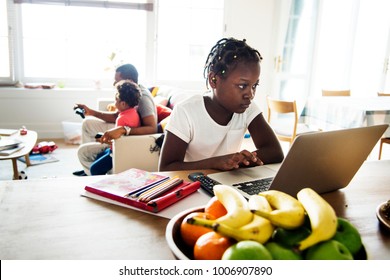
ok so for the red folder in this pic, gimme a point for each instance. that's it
(114, 187)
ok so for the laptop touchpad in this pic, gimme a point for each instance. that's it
(243, 175)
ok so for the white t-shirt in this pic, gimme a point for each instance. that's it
(191, 122)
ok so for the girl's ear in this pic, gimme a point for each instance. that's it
(212, 79)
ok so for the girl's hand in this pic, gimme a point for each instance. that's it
(111, 134)
(234, 161)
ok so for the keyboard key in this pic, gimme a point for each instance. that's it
(255, 186)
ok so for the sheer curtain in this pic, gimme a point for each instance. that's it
(294, 65)
(351, 46)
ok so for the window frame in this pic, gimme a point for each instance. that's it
(10, 79)
(17, 59)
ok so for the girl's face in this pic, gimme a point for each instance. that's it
(236, 91)
(119, 104)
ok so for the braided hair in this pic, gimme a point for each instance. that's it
(226, 54)
(129, 92)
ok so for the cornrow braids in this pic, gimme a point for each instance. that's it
(129, 92)
(226, 54)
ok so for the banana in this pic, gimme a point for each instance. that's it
(257, 202)
(323, 219)
(287, 211)
(259, 229)
(238, 212)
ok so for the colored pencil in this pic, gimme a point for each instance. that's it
(159, 189)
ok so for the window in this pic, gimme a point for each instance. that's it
(5, 55)
(295, 65)
(352, 44)
(80, 42)
(77, 45)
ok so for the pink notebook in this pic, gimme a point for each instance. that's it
(119, 187)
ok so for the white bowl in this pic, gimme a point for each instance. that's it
(173, 237)
(182, 252)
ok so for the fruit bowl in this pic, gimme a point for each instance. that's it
(173, 237)
(182, 252)
(381, 215)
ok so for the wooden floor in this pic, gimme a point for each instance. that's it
(68, 161)
(66, 164)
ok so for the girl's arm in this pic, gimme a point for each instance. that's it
(268, 146)
(174, 150)
(109, 117)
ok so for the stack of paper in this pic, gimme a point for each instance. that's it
(9, 146)
(7, 132)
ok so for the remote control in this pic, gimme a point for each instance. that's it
(206, 182)
(80, 112)
(98, 135)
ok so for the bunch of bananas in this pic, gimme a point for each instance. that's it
(259, 217)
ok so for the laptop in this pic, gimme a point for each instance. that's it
(323, 161)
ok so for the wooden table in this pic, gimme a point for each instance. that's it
(29, 140)
(337, 112)
(48, 219)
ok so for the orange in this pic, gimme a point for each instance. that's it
(190, 233)
(215, 208)
(211, 246)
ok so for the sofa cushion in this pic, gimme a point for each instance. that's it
(162, 112)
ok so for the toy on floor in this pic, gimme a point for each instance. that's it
(44, 147)
(22, 175)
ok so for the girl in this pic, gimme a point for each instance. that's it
(126, 99)
(206, 132)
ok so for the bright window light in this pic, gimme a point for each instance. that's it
(79, 42)
(5, 70)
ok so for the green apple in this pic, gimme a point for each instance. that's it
(328, 250)
(348, 235)
(291, 237)
(247, 250)
(280, 252)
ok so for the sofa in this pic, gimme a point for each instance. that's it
(142, 151)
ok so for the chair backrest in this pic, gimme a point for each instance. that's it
(136, 151)
(336, 92)
(287, 131)
(383, 94)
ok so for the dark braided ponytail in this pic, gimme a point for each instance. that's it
(225, 56)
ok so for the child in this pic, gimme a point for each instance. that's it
(206, 132)
(126, 99)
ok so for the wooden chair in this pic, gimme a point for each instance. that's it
(283, 118)
(383, 140)
(336, 92)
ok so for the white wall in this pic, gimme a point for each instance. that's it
(44, 110)
(254, 20)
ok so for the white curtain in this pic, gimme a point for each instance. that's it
(351, 46)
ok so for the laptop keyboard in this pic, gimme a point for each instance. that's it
(255, 186)
(250, 187)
